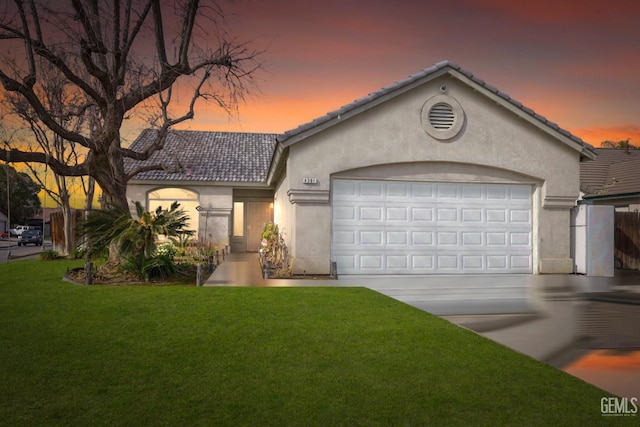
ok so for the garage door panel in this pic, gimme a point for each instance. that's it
(371, 262)
(398, 190)
(520, 216)
(472, 238)
(397, 238)
(431, 228)
(397, 262)
(446, 238)
(520, 239)
(344, 213)
(473, 215)
(447, 191)
(344, 190)
(400, 213)
(344, 238)
(447, 214)
(370, 213)
(422, 215)
(371, 238)
(422, 191)
(423, 263)
(473, 262)
(497, 262)
(422, 238)
(470, 192)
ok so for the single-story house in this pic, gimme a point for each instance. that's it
(439, 173)
(613, 178)
(4, 221)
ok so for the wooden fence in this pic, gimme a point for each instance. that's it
(57, 229)
(627, 240)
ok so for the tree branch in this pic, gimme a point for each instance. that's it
(12, 85)
(19, 156)
(30, 79)
(155, 167)
(159, 35)
(156, 145)
(187, 31)
(43, 51)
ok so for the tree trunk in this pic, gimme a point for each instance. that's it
(69, 234)
(91, 188)
(109, 174)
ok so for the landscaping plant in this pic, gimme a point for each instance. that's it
(132, 242)
(274, 255)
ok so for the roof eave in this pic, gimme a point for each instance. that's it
(278, 163)
(358, 106)
(197, 183)
(612, 196)
(332, 118)
(586, 151)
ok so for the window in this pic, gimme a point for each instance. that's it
(188, 200)
(238, 219)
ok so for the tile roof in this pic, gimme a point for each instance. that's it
(208, 156)
(614, 172)
(399, 87)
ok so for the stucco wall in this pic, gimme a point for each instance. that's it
(284, 212)
(219, 199)
(504, 146)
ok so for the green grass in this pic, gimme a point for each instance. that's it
(188, 356)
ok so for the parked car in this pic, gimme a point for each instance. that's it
(18, 230)
(4, 236)
(30, 236)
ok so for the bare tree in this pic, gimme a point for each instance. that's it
(123, 58)
(33, 135)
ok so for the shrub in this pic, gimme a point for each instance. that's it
(48, 255)
(167, 250)
(132, 242)
(78, 253)
(274, 255)
(160, 266)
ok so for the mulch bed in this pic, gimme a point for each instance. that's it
(115, 277)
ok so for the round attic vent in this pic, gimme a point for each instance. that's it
(442, 117)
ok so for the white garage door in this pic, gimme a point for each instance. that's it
(397, 227)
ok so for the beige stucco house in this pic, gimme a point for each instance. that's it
(439, 173)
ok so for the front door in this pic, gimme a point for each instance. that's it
(249, 219)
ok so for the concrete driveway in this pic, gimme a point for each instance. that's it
(441, 295)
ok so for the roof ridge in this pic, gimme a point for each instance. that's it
(337, 114)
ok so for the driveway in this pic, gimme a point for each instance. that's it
(441, 295)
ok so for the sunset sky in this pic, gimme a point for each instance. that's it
(576, 62)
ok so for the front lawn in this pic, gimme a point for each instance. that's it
(177, 355)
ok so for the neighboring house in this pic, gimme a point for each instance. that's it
(439, 173)
(4, 222)
(613, 178)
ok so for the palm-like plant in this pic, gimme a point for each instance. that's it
(132, 241)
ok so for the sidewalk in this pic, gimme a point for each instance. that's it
(243, 269)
